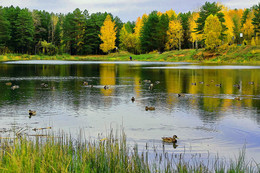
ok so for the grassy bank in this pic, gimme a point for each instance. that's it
(224, 54)
(112, 154)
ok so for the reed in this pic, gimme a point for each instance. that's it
(62, 153)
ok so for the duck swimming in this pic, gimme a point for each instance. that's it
(170, 139)
(133, 99)
(32, 112)
(151, 108)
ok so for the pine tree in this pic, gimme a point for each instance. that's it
(108, 35)
(4, 31)
(25, 31)
(256, 19)
(149, 33)
(206, 10)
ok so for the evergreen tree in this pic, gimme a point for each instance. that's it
(184, 18)
(162, 29)
(25, 31)
(206, 10)
(11, 15)
(256, 19)
(91, 38)
(149, 33)
(4, 31)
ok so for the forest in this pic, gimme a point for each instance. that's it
(79, 33)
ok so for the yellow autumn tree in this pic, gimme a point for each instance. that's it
(174, 35)
(194, 36)
(230, 27)
(248, 28)
(212, 32)
(127, 40)
(108, 35)
(171, 14)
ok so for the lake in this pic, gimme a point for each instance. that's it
(218, 111)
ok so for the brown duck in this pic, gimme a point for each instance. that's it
(170, 139)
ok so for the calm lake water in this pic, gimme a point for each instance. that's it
(207, 119)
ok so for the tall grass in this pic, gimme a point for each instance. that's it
(62, 153)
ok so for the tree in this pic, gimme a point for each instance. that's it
(210, 9)
(256, 19)
(108, 35)
(4, 30)
(149, 33)
(127, 39)
(212, 32)
(247, 27)
(194, 36)
(174, 35)
(137, 32)
(229, 33)
(184, 18)
(162, 28)
(73, 31)
(25, 31)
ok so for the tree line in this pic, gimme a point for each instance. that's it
(80, 33)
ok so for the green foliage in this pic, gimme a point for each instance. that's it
(149, 33)
(4, 30)
(256, 19)
(25, 31)
(210, 9)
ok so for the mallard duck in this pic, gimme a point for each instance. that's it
(251, 83)
(85, 83)
(32, 112)
(8, 83)
(151, 108)
(218, 85)
(237, 98)
(106, 87)
(133, 99)
(14, 87)
(181, 95)
(170, 139)
(194, 83)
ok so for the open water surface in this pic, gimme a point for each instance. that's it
(209, 118)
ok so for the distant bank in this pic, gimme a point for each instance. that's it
(224, 54)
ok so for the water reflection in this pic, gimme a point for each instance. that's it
(206, 116)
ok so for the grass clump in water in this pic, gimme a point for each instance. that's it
(111, 154)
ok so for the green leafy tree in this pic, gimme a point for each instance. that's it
(184, 18)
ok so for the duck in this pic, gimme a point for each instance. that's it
(237, 98)
(151, 108)
(32, 112)
(106, 87)
(251, 83)
(85, 83)
(194, 83)
(237, 86)
(8, 83)
(14, 87)
(181, 95)
(201, 82)
(218, 85)
(133, 99)
(172, 139)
